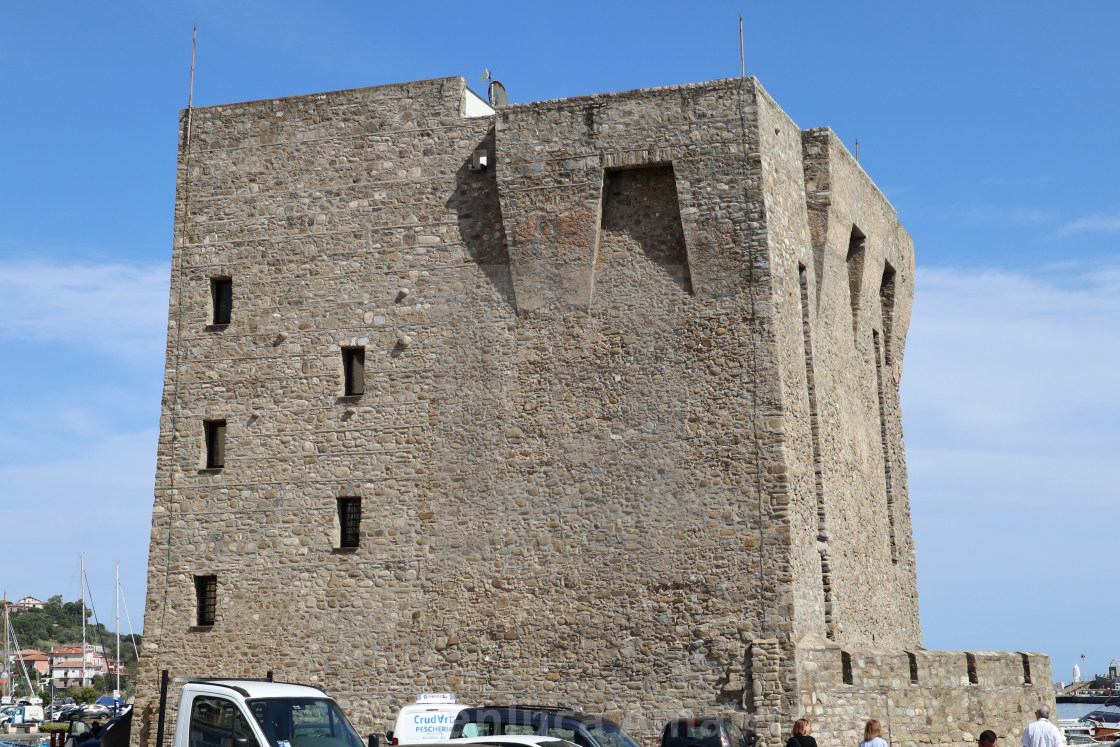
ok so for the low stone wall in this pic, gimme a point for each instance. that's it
(920, 697)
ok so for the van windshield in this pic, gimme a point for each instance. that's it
(303, 722)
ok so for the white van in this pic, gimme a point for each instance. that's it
(429, 719)
(26, 714)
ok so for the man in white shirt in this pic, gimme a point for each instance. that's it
(1042, 733)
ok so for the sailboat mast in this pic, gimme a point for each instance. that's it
(6, 667)
(117, 567)
(83, 558)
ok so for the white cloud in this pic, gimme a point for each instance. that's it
(1014, 360)
(1012, 418)
(116, 309)
(98, 503)
(79, 443)
(1092, 224)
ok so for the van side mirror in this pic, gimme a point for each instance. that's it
(374, 740)
(244, 742)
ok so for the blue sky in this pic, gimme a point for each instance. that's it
(990, 126)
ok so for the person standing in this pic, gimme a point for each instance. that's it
(1041, 733)
(873, 735)
(801, 736)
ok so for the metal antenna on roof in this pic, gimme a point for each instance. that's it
(742, 58)
(194, 46)
(495, 91)
(175, 409)
(857, 150)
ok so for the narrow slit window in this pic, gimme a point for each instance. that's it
(886, 305)
(215, 443)
(354, 371)
(857, 249)
(206, 594)
(913, 667)
(818, 462)
(826, 586)
(884, 435)
(846, 667)
(1026, 669)
(973, 678)
(751, 704)
(221, 293)
(349, 521)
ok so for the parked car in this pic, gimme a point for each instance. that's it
(705, 732)
(95, 710)
(70, 712)
(56, 707)
(584, 729)
(513, 740)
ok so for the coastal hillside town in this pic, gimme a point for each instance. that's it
(65, 666)
(54, 650)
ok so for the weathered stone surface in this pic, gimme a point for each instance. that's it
(629, 437)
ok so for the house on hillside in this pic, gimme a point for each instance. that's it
(32, 659)
(66, 665)
(27, 603)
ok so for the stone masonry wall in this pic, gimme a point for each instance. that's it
(624, 440)
(520, 475)
(872, 563)
(920, 697)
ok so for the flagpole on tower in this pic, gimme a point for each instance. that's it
(742, 57)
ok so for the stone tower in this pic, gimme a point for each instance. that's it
(590, 402)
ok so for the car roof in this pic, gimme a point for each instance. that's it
(697, 720)
(260, 688)
(507, 739)
(471, 714)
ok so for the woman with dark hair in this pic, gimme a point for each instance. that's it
(873, 735)
(801, 736)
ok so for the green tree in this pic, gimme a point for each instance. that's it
(60, 623)
(84, 695)
(73, 611)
